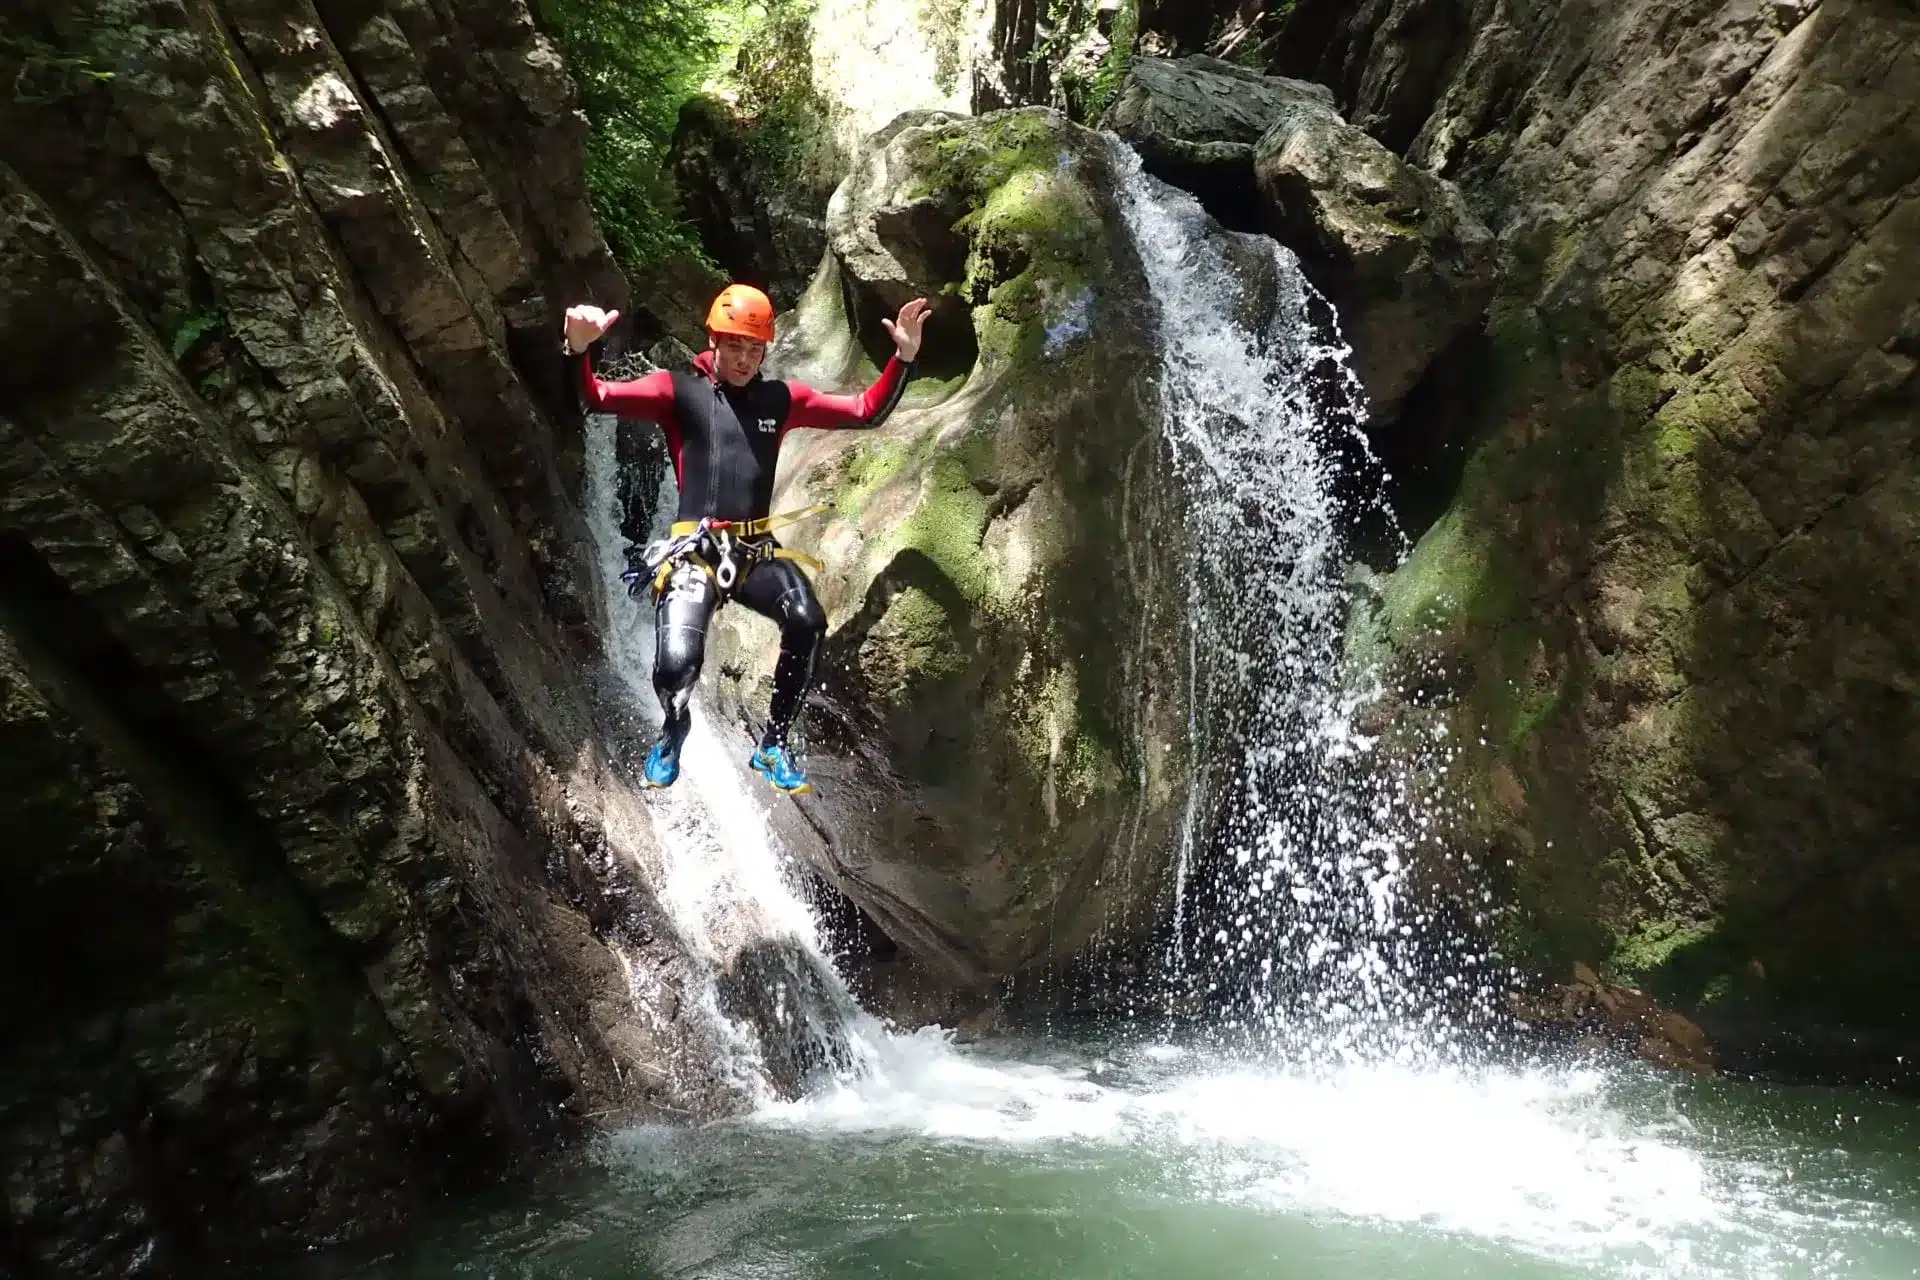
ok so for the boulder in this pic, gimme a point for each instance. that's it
(1404, 261)
(1199, 113)
(995, 788)
(1598, 1015)
(1395, 249)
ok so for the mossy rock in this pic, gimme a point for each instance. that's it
(984, 640)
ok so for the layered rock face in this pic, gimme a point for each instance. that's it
(1670, 608)
(997, 735)
(315, 863)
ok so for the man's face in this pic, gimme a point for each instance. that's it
(736, 359)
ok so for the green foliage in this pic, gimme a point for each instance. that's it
(636, 62)
(1119, 59)
(788, 138)
(41, 71)
(1088, 90)
(639, 62)
(945, 21)
(1250, 43)
(191, 330)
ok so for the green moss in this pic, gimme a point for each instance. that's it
(1533, 707)
(1092, 769)
(912, 646)
(1652, 946)
(1056, 738)
(1119, 59)
(1712, 407)
(1566, 248)
(1635, 392)
(869, 466)
(966, 162)
(1445, 583)
(1035, 240)
(926, 392)
(948, 525)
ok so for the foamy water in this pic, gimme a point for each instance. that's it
(1608, 1172)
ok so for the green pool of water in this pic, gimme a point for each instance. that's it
(1030, 1160)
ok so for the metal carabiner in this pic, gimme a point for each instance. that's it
(725, 573)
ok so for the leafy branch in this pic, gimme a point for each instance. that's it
(48, 73)
(191, 330)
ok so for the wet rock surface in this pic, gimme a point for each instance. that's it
(1669, 610)
(1408, 266)
(1202, 111)
(1597, 1016)
(322, 893)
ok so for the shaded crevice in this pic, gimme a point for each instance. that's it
(1228, 190)
(1425, 449)
(950, 347)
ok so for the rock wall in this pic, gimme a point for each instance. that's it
(1407, 266)
(1668, 602)
(316, 862)
(1666, 495)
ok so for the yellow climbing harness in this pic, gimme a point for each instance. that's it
(752, 528)
(687, 537)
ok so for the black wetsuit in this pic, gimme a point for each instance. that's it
(725, 445)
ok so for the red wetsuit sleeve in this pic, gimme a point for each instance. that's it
(649, 399)
(823, 412)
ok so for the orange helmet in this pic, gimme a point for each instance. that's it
(742, 310)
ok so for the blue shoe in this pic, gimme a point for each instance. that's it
(663, 764)
(778, 768)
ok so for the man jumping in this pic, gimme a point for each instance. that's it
(724, 424)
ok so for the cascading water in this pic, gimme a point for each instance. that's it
(779, 1010)
(1289, 915)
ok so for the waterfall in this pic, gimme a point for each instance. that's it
(1292, 933)
(780, 1014)
(1291, 924)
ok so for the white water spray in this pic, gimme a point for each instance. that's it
(1290, 915)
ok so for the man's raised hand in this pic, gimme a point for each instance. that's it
(907, 332)
(586, 324)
